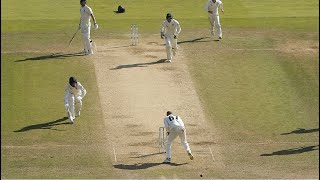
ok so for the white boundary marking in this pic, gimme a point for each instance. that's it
(114, 153)
(211, 153)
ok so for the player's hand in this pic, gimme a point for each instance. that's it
(222, 11)
(168, 133)
(79, 98)
(210, 12)
(174, 36)
(96, 26)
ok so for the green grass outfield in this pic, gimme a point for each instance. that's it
(260, 81)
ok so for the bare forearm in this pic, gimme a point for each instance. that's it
(94, 19)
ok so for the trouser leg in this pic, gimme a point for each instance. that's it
(218, 26)
(77, 107)
(211, 20)
(170, 139)
(183, 138)
(71, 107)
(168, 47)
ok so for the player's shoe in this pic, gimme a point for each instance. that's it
(77, 114)
(70, 118)
(167, 160)
(168, 61)
(220, 37)
(190, 155)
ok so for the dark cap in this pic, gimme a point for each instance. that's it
(169, 15)
(168, 113)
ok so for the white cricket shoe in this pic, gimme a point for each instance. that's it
(167, 160)
(190, 155)
(70, 118)
(168, 61)
(220, 37)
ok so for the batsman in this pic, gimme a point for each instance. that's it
(85, 25)
(170, 29)
(175, 127)
(74, 94)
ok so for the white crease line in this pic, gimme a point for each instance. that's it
(211, 153)
(114, 153)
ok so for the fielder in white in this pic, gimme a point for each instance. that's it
(175, 127)
(170, 29)
(85, 25)
(73, 98)
(213, 15)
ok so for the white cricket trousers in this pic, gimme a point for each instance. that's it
(85, 30)
(171, 45)
(75, 106)
(174, 132)
(215, 22)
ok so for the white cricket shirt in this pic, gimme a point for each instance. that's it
(85, 13)
(211, 6)
(171, 28)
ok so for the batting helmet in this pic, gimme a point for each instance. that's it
(73, 81)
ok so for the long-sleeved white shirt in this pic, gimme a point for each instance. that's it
(170, 28)
(172, 121)
(213, 7)
(79, 91)
(85, 13)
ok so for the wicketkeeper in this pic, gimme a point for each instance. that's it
(170, 29)
(175, 127)
(85, 25)
(74, 94)
(213, 15)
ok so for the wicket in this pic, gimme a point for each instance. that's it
(134, 34)
(162, 140)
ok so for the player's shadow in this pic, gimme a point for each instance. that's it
(147, 155)
(301, 131)
(138, 65)
(48, 125)
(196, 40)
(143, 165)
(293, 151)
(52, 56)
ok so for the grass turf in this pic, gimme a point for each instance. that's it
(252, 96)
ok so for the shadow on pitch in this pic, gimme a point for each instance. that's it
(147, 155)
(197, 40)
(138, 65)
(293, 151)
(301, 131)
(48, 125)
(143, 165)
(52, 56)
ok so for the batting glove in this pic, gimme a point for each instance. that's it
(96, 26)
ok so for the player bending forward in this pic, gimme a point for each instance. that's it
(73, 98)
(175, 127)
(170, 29)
